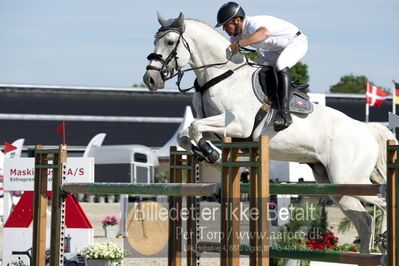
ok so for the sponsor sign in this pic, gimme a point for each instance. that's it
(19, 173)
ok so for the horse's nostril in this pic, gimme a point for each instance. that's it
(152, 81)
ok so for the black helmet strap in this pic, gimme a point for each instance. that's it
(235, 27)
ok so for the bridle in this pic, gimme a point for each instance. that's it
(164, 70)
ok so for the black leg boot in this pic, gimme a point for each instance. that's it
(283, 117)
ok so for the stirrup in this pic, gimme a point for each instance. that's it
(282, 121)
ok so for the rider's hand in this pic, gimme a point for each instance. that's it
(234, 47)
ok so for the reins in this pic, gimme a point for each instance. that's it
(164, 71)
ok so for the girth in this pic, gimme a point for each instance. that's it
(210, 83)
(260, 115)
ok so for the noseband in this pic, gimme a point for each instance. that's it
(164, 71)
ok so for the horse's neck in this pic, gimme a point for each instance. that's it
(207, 47)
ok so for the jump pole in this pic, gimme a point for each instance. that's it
(167, 189)
(303, 254)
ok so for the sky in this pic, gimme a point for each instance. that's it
(105, 43)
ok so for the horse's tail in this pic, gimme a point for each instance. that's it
(381, 134)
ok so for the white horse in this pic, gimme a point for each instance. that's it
(340, 150)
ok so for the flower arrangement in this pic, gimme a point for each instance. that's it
(103, 251)
(326, 240)
(109, 221)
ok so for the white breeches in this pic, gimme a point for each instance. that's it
(289, 56)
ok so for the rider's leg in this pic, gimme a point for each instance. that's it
(283, 118)
(291, 54)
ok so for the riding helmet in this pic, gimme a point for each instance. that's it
(229, 11)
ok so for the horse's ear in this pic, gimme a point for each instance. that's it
(180, 20)
(161, 18)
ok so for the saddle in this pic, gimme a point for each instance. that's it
(265, 84)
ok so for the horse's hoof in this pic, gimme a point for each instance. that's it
(197, 153)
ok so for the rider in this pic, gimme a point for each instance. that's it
(284, 44)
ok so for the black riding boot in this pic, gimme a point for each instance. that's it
(283, 117)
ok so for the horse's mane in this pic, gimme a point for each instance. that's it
(206, 24)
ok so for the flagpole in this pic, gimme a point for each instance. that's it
(394, 99)
(394, 105)
(63, 129)
(367, 105)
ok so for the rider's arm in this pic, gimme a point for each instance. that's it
(259, 35)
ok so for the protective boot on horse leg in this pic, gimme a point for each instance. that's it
(283, 117)
(204, 150)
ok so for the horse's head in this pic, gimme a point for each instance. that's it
(171, 52)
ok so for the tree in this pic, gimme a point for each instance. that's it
(350, 84)
(353, 84)
(141, 85)
(299, 73)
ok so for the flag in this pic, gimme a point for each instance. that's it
(396, 92)
(374, 95)
(8, 147)
(61, 131)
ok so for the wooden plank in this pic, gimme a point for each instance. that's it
(224, 221)
(172, 252)
(259, 223)
(191, 225)
(253, 225)
(39, 211)
(263, 202)
(178, 221)
(235, 211)
(175, 222)
(58, 209)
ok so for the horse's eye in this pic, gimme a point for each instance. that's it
(170, 42)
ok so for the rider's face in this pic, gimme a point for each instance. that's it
(229, 27)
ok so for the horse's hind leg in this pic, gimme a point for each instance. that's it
(354, 210)
(351, 207)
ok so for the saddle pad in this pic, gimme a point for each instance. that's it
(298, 104)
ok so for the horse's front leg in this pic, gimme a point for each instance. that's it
(210, 154)
(216, 126)
(184, 141)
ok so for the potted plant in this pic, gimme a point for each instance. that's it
(102, 254)
(109, 225)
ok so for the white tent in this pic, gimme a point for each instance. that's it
(163, 153)
(96, 141)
